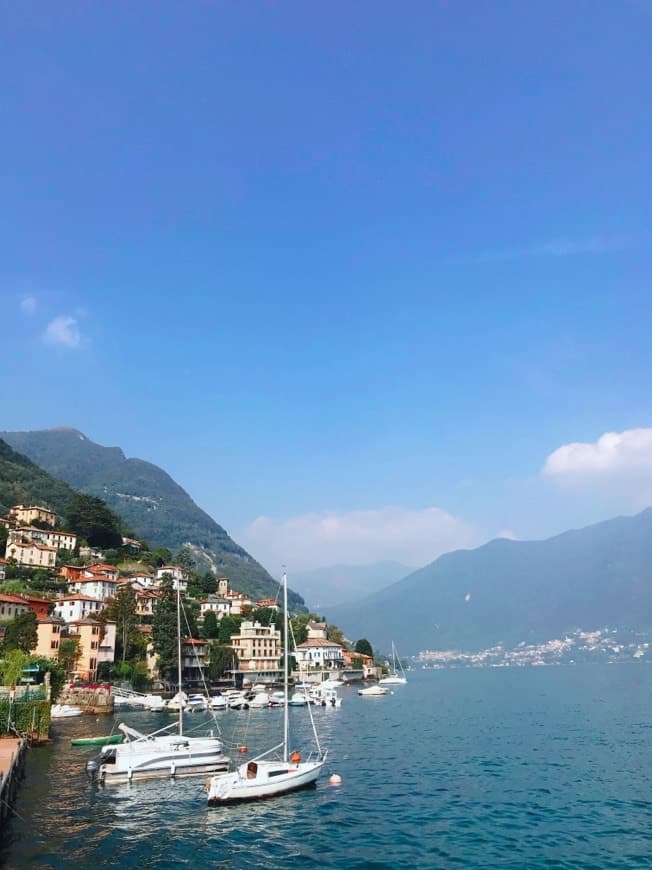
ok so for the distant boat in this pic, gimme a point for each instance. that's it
(394, 678)
(373, 691)
(261, 778)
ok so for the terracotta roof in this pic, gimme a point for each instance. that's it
(318, 641)
(94, 580)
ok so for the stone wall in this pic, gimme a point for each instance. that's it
(98, 700)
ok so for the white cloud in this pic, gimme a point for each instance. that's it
(316, 540)
(613, 453)
(28, 305)
(63, 331)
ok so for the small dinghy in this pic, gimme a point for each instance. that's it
(97, 741)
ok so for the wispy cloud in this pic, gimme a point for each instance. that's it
(601, 244)
(63, 331)
(28, 305)
(316, 540)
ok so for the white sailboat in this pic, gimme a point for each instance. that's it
(160, 754)
(394, 678)
(262, 777)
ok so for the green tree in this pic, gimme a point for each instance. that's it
(122, 610)
(69, 653)
(220, 659)
(363, 646)
(91, 519)
(184, 559)
(12, 666)
(164, 630)
(229, 625)
(21, 633)
(335, 634)
(211, 628)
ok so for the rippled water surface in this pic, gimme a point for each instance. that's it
(539, 767)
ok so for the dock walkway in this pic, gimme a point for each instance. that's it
(12, 766)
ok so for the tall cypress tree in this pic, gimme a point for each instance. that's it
(164, 630)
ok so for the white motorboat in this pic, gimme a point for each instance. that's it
(161, 753)
(259, 701)
(373, 691)
(277, 699)
(299, 699)
(394, 678)
(217, 702)
(197, 703)
(65, 711)
(260, 777)
(324, 696)
(177, 702)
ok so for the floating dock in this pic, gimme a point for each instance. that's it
(12, 770)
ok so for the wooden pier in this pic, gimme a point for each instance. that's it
(12, 770)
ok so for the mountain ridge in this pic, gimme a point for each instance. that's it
(508, 591)
(157, 508)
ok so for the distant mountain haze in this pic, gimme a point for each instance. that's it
(337, 584)
(512, 591)
(149, 500)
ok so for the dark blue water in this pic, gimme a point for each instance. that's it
(539, 767)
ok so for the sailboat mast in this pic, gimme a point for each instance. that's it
(180, 696)
(286, 655)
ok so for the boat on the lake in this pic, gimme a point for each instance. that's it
(373, 691)
(97, 741)
(65, 711)
(265, 778)
(161, 753)
(396, 677)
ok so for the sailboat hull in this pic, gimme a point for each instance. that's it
(271, 779)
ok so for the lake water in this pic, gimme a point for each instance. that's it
(537, 767)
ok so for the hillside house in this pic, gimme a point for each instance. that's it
(87, 632)
(99, 587)
(214, 604)
(72, 608)
(12, 606)
(31, 554)
(49, 630)
(176, 573)
(27, 514)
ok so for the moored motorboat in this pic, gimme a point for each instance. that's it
(161, 753)
(373, 691)
(65, 711)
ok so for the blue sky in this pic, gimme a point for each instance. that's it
(350, 272)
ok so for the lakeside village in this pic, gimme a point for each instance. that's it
(92, 621)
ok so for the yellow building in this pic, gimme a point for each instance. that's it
(32, 554)
(87, 632)
(258, 647)
(49, 636)
(26, 514)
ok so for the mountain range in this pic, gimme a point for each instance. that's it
(150, 502)
(513, 592)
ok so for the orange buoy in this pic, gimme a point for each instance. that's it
(242, 749)
(335, 779)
